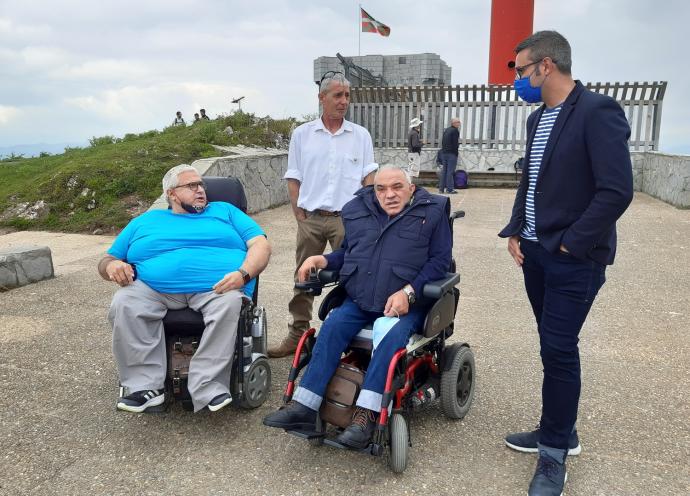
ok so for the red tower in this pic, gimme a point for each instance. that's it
(511, 22)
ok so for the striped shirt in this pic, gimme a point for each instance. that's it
(548, 117)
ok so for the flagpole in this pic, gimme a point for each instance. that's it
(359, 30)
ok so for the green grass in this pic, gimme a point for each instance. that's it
(117, 172)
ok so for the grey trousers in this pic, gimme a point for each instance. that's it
(136, 314)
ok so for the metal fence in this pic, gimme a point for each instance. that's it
(492, 117)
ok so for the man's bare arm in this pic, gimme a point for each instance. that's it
(293, 192)
(256, 260)
(116, 270)
(369, 179)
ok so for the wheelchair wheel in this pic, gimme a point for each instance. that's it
(257, 384)
(399, 443)
(457, 381)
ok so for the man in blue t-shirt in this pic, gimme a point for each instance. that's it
(196, 254)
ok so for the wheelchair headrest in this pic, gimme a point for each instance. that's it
(226, 189)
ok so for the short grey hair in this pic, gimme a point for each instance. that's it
(394, 167)
(170, 179)
(453, 119)
(548, 44)
(326, 83)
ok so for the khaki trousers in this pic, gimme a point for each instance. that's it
(312, 235)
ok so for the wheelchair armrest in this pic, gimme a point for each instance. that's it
(329, 276)
(436, 289)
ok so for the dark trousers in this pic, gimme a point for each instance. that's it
(336, 332)
(447, 179)
(561, 289)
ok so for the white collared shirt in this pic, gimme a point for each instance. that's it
(330, 167)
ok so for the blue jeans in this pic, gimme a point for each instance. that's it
(561, 290)
(447, 179)
(339, 328)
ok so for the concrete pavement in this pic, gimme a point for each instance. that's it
(60, 433)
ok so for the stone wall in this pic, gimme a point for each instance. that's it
(663, 176)
(472, 160)
(666, 177)
(260, 170)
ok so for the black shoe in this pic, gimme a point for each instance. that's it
(220, 401)
(358, 433)
(294, 416)
(451, 192)
(141, 400)
(526, 442)
(440, 191)
(549, 478)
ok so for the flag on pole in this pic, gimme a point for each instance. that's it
(371, 25)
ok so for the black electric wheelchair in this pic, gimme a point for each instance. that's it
(250, 379)
(426, 369)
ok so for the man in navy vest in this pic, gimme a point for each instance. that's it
(397, 238)
(576, 183)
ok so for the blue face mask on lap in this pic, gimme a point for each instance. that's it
(526, 91)
(381, 327)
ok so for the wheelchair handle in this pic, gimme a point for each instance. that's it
(312, 285)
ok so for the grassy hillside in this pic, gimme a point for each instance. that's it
(104, 185)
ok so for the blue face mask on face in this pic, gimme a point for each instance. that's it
(526, 91)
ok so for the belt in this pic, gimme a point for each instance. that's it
(325, 213)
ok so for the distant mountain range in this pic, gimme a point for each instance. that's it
(35, 149)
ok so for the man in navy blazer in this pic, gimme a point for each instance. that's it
(576, 183)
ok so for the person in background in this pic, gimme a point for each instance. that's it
(414, 147)
(203, 115)
(178, 121)
(449, 157)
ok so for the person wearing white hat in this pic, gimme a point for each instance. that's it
(414, 147)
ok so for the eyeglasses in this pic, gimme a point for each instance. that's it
(520, 70)
(192, 186)
(329, 75)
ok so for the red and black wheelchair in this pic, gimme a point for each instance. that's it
(429, 370)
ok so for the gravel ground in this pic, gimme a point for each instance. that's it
(60, 433)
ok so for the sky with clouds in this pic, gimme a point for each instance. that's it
(73, 69)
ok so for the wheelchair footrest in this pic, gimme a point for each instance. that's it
(370, 449)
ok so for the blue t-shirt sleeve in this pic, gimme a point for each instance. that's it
(245, 226)
(120, 246)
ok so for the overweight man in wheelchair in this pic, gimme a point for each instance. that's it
(397, 238)
(196, 254)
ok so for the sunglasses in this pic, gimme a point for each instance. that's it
(329, 75)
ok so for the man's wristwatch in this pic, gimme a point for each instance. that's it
(245, 275)
(411, 296)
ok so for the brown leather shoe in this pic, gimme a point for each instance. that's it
(287, 347)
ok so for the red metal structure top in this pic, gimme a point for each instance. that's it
(511, 22)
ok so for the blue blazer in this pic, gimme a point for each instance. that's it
(585, 179)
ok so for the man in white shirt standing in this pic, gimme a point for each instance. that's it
(330, 158)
